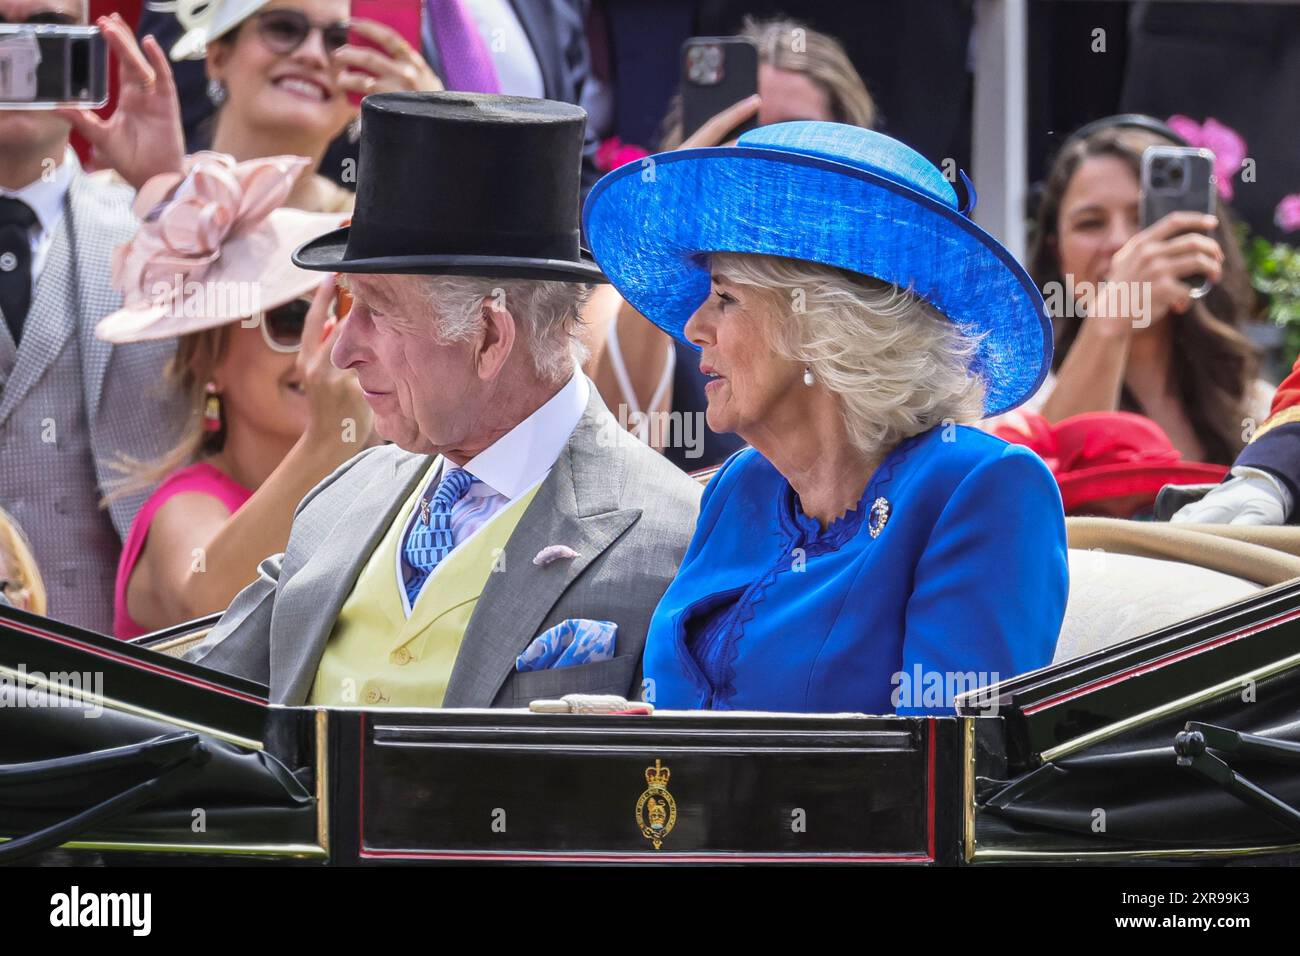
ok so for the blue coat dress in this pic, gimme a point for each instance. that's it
(951, 569)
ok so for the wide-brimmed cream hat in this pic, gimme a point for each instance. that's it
(205, 21)
(214, 246)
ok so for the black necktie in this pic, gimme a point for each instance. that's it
(16, 221)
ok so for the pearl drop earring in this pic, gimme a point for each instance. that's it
(808, 375)
(217, 92)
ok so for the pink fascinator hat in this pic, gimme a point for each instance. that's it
(213, 247)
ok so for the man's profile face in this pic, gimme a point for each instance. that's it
(28, 130)
(424, 392)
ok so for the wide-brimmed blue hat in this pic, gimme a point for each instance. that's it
(826, 193)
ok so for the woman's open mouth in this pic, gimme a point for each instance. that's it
(302, 87)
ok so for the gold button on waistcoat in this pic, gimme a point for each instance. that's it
(401, 656)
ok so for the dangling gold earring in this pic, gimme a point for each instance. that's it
(212, 409)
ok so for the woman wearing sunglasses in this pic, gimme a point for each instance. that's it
(279, 74)
(270, 416)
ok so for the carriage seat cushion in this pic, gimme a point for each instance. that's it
(1115, 597)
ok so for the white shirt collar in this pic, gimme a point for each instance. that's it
(46, 196)
(522, 456)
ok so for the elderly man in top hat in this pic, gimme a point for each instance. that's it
(513, 542)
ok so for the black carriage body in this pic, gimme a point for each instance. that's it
(1075, 763)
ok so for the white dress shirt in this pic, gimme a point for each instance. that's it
(507, 469)
(45, 197)
(517, 69)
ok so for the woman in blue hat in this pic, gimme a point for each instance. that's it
(869, 551)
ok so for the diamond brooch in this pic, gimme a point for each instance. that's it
(878, 516)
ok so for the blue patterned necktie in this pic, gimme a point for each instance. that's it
(430, 539)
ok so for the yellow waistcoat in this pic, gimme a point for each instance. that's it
(376, 656)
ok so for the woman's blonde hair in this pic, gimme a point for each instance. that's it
(190, 370)
(16, 550)
(897, 364)
(791, 46)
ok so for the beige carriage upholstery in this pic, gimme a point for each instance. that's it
(1129, 578)
(177, 646)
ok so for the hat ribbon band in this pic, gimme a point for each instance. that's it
(971, 198)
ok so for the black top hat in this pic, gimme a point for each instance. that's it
(463, 184)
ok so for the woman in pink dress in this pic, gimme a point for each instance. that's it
(271, 416)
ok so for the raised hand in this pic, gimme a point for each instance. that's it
(333, 394)
(1166, 254)
(143, 137)
(396, 66)
(713, 130)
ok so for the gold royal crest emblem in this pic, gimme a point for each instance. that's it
(656, 811)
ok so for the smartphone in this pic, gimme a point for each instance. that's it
(44, 65)
(1178, 179)
(404, 16)
(717, 72)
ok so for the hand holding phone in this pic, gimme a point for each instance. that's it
(1157, 263)
(723, 128)
(383, 50)
(143, 137)
(44, 65)
(717, 73)
(1178, 179)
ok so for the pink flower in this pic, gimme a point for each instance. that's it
(1287, 215)
(613, 153)
(1227, 145)
(552, 553)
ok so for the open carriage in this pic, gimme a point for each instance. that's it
(1179, 744)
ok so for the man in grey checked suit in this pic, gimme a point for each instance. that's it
(69, 404)
(463, 338)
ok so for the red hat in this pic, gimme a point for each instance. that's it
(1111, 463)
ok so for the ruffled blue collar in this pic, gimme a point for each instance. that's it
(835, 535)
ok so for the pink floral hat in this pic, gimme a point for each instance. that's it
(213, 247)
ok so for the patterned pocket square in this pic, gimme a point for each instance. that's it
(575, 641)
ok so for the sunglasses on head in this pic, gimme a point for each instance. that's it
(283, 31)
(43, 17)
(282, 326)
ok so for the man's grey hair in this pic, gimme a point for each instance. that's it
(547, 314)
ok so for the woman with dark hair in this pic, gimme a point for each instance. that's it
(1155, 349)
